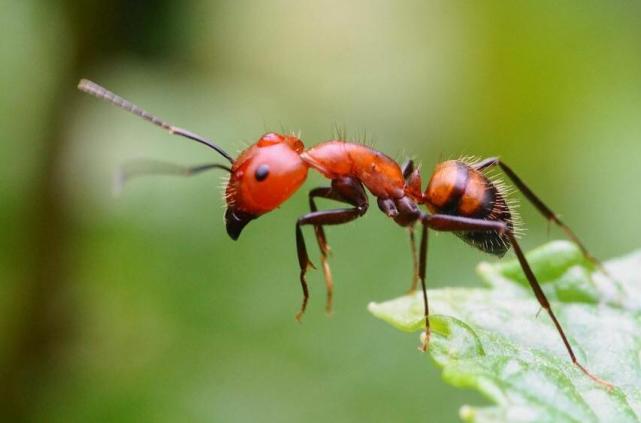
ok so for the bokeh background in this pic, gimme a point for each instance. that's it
(141, 308)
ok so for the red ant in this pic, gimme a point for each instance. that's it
(460, 197)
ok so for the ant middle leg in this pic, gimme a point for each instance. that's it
(415, 261)
(408, 169)
(422, 266)
(347, 190)
(448, 223)
(538, 204)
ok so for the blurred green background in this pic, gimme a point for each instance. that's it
(141, 308)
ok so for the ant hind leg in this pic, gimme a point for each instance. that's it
(449, 223)
(539, 205)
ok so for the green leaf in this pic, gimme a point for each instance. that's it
(491, 339)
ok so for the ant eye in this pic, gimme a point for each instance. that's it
(262, 172)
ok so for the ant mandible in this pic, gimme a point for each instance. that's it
(460, 197)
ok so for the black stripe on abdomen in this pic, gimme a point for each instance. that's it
(454, 198)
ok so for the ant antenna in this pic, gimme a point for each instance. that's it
(96, 90)
(141, 167)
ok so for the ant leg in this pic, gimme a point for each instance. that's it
(421, 275)
(322, 242)
(325, 217)
(485, 163)
(546, 305)
(455, 224)
(347, 190)
(415, 267)
(539, 205)
(408, 168)
(304, 263)
(143, 167)
(318, 230)
(323, 246)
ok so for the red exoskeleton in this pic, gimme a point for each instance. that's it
(459, 198)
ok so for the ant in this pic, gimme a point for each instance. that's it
(460, 197)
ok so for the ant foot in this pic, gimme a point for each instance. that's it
(606, 385)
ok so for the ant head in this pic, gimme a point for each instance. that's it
(262, 178)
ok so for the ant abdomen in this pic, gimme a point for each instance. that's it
(457, 189)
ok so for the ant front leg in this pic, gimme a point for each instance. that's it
(538, 204)
(448, 223)
(321, 238)
(347, 190)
